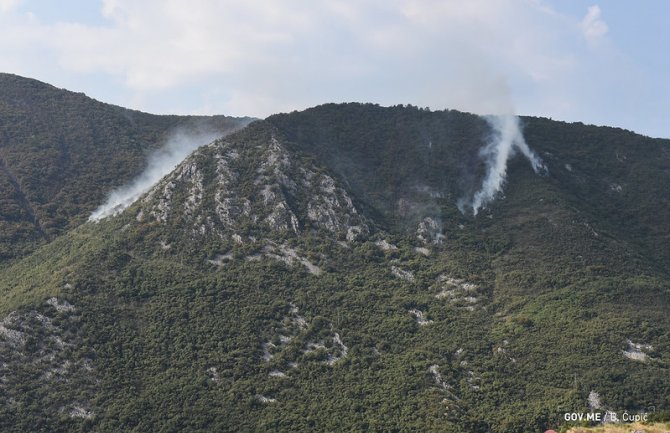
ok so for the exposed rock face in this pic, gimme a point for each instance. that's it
(40, 345)
(251, 181)
(459, 292)
(419, 316)
(402, 274)
(384, 245)
(296, 339)
(429, 231)
(289, 256)
(637, 351)
(594, 401)
(437, 377)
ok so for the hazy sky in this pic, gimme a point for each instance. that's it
(603, 62)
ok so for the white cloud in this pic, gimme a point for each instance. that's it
(9, 5)
(593, 27)
(267, 56)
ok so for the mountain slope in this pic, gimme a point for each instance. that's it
(272, 282)
(62, 152)
(409, 162)
(251, 182)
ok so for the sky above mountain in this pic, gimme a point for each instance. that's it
(598, 62)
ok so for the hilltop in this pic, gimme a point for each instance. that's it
(312, 272)
(62, 152)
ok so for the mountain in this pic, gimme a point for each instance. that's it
(62, 152)
(312, 272)
(404, 161)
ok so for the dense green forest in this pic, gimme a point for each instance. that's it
(61, 153)
(311, 272)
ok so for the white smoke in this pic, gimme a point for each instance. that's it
(505, 141)
(178, 146)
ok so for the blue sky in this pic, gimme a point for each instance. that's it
(603, 62)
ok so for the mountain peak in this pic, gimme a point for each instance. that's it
(312, 271)
(247, 183)
(62, 152)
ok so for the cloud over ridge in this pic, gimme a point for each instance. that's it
(257, 58)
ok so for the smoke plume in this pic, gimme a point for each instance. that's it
(178, 146)
(505, 141)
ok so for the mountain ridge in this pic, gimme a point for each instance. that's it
(62, 152)
(279, 316)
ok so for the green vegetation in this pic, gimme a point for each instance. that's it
(61, 153)
(202, 321)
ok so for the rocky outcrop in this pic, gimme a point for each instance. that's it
(39, 347)
(251, 181)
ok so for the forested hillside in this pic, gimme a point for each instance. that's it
(407, 161)
(62, 152)
(312, 272)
